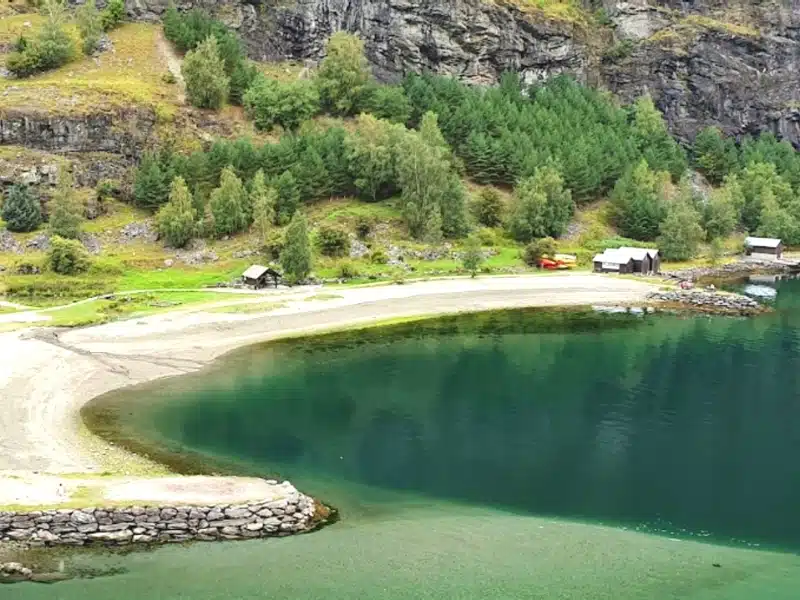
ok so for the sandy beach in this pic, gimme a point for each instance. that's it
(46, 375)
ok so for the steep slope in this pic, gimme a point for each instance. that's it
(736, 65)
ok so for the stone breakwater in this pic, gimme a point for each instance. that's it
(709, 301)
(292, 513)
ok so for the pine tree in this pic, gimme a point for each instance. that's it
(22, 211)
(312, 176)
(288, 197)
(176, 219)
(228, 204)
(637, 203)
(296, 254)
(263, 200)
(66, 208)
(343, 74)
(151, 185)
(714, 155)
(203, 69)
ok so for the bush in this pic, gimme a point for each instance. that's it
(332, 241)
(363, 227)
(270, 102)
(113, 14)
(347, 270)
(486, 237)
(378, 257)
(388, 102)
(242, 77)
(50, 49)
(542, 207)
(274, 243)
(66, 209)
(472, 258)
(89, 26)
(537, 249)
(21, 210)
(203, 69)
(487, 208)
(169, 78)
(67, 257)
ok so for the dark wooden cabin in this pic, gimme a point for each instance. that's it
(258, 276)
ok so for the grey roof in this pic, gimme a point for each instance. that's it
(613, 256)
(640, 253)
(254, 272)
(762, 242)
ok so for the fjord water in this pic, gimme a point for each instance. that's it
(523, 454)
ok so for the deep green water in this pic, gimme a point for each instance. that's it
(513, 455)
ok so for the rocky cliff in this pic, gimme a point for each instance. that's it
(705, 62)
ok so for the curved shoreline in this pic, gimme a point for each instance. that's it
(49, 375)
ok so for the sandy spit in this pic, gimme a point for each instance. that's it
(46, 376)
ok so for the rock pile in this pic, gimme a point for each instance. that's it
(292, 513)
(709, 301)
(740, 267)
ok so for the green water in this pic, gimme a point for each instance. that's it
(504, 456)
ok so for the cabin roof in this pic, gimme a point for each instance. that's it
(255, 271)
(762, 242)
(640, 253)
(613, 256)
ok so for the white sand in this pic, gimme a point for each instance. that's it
(46, 376)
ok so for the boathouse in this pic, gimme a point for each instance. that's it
(768, 248)
(627, 260)
(259, 276)
(613, 261)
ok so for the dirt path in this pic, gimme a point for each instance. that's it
(46, 376)
(173, 60)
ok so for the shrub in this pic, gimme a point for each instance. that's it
(347, 270)
(152, 182)
(169, 78)
(487, 237)
(113, 14)
(273, 244)
(388, 102)
(487, 208)
(107, 188)
(176, 219)
(242, 77)
(343, 73)
(207, 84)
(472, 258)
(296, 253)
(363, 227)
(89, 26)
(66, 209)
(537, 249)
(332, 241)
(67, 257)
(21, 210)
(50, 49)
(680, 233)
(378, 257)
(270, 102)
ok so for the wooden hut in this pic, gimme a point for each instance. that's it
(613, 261)
(645, 260)
(259, 276)
(765, 248)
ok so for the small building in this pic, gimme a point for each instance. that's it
(645, 260)
(259, 276)
(613, 261)
(768, 248)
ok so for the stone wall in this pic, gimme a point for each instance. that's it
(293, 513)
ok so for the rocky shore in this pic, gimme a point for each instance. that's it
(291, 513)
(709, 301)
(730, 270)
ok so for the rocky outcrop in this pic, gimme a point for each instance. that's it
(123, 132)
(292, 513)
(709, 301)
(733, 64)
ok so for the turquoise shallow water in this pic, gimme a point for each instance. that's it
(524, 454)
